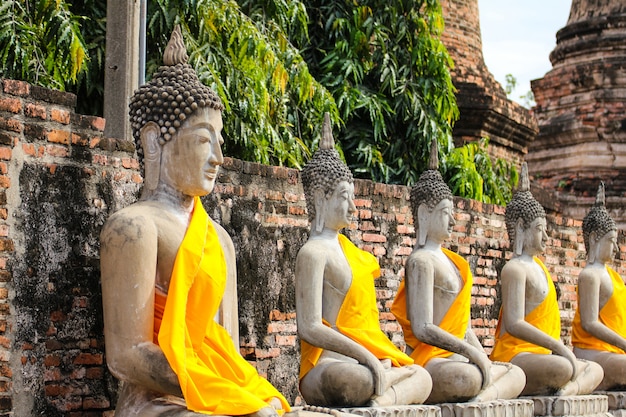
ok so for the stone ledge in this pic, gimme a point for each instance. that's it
(569, 406)
(496, 408)
(617, 402)
(396, 411)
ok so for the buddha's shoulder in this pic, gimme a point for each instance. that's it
(317, 248)
(137, 217)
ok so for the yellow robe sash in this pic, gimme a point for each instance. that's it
(214, 377)
(455, 321)
(546, 317)
(358, 316)
(612, 315)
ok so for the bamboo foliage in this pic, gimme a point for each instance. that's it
(41, 42)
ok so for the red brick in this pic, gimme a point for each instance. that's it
(12, 105)
(60, 116)
(35, 110)
(58, 136)
(371, 237)
(16, 88)
(88, 359)
(55, 150)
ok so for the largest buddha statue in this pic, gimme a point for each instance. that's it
(529, 329)
(165, 264)
(346, 359)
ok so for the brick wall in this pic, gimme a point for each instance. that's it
(60, 179)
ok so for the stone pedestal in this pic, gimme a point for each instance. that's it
(496, 408)
(396, 411)
(572, 406)
(617, 402)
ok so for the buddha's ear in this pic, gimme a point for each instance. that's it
(149, 135)
(319, 199)
(592, 250)
(423, 214)
(518, 244)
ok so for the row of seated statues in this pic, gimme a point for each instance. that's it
(165, 266)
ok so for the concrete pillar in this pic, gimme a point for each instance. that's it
(121, 65)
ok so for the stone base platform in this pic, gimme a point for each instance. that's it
(617, 402)
(497, 408)
(395, 411)
(571, 406)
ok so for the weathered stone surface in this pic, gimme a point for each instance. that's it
(575, 405)
(496, 408)
(580, 110)
(485, 110)
(396, 411)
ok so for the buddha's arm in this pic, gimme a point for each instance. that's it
(589, 307)
(513, 313)
(420, 273)
(128, 256)
(310, 268)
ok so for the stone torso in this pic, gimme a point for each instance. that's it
(337, 275)
(447, 282)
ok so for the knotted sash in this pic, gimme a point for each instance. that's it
(455, 321)
(214, 377)
(612, 315)
(546, 317)
(358, 316)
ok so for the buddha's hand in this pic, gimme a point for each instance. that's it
(481, 360)
(378, 374)
(268, 411)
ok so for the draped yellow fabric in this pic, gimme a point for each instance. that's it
(546, 317)
(214, 377)
(358, 316)
(455, 321)
(612, 315)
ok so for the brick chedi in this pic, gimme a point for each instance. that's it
(485, 111)
(581, 111)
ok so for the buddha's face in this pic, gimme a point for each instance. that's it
(535, 237)
(607, 246)
(190, 160)
(440, 221)
(340, 206)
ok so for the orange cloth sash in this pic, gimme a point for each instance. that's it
(214, 377)
(546, 317)
(455, 321)
(358, 315)
(612, 315)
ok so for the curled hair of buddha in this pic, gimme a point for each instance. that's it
(522, 206)
(598, 219)
(430, 188)
(324, 170)
(171, 96)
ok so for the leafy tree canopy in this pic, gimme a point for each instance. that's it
(378, 67)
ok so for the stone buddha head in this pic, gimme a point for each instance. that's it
(599, 231)
(432, 203)
(525, 219)
(176, 123)
(328, 185)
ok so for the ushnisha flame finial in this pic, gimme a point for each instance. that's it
(600, 195)
(328, 141)
(175, 51)
(524, 182)
(433, 160)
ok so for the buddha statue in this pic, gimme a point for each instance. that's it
(165, 264)
(433, 305)
(599, 329)
(346, 360)
(529, 329)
